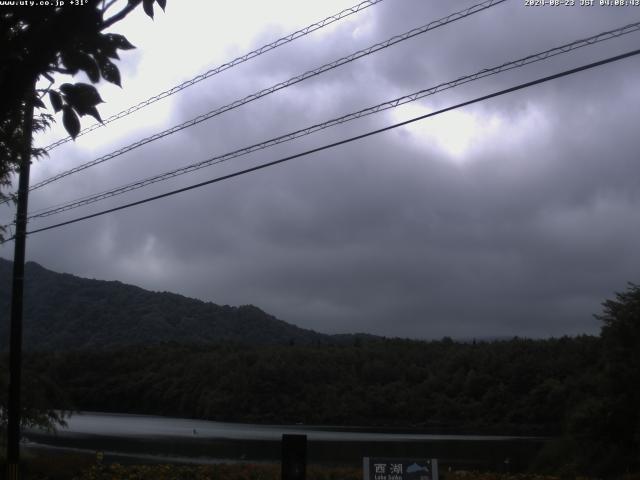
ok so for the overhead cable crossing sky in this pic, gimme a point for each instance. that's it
(342, 142)
(563, 49)
(292, 81)
(225, 66)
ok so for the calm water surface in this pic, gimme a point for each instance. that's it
(152, 426)
(148, 439)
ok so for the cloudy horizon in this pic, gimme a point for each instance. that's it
(514, 216)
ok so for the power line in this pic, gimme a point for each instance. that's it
(342, 142)
(225, 66)
(86, 200)
(294, 80)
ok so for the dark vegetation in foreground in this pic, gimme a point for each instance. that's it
(80, 469)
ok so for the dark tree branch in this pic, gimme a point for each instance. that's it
(108, 5)
(45, 90)
(61, 70)
(119, 16)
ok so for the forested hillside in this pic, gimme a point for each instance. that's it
(63, 312)
(502, 387)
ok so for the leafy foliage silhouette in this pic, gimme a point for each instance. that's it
(38, 43)
(606, 425)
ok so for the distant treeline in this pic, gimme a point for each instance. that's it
(517, 386)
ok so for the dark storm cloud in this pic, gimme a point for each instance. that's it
(523, 232)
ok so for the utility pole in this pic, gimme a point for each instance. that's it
(17, 289)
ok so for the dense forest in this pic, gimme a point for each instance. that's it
(573, 389)
(556, 387)
(63, 312)
(521, 386)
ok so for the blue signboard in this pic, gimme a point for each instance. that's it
(374, 468)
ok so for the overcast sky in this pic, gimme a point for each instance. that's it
(516, 216)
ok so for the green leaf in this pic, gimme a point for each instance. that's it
(69, 61)
(109, 71)
(70, 121)
(162, 3)
(85, 98)
(89, 66)
(105, 50)
(148, 7)
(77, 60)
(81, 96)
(93, 111)
(66, 88)
(118, 41)
(110, 52)
(56, 100)
(87, 94)
(38, 103)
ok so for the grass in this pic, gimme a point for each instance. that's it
(199, 472)
(251, 472)
(51, 465)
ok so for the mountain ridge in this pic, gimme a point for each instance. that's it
(64, 311)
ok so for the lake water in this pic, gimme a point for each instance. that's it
(145, 438)
(153, 426)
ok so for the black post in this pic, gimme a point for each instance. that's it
(15, 342)
(294, 457)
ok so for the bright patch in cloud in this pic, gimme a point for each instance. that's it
(456, 133)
